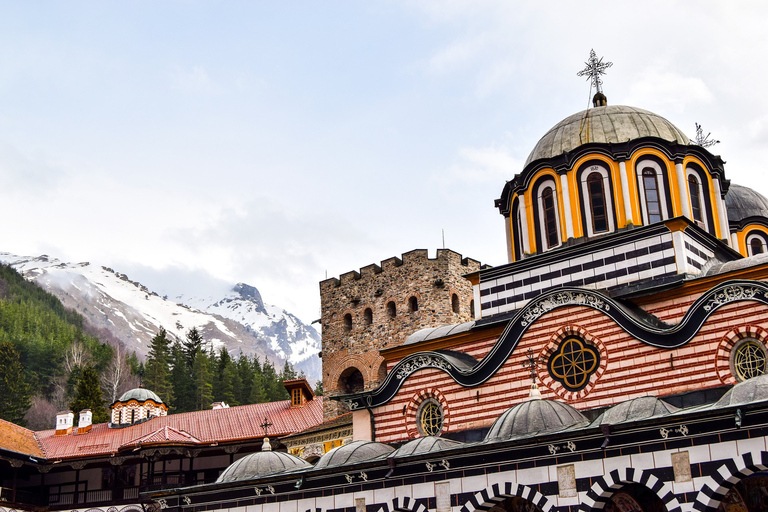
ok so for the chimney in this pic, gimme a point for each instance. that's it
(86, 419)
(64, 422)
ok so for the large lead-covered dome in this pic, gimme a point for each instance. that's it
(140, 395)
(261, 464)
(743, 202)
(612, 123)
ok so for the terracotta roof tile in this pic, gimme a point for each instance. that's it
(209, 426)
(19, 439)
(164, 434)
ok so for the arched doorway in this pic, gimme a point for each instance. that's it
(634, 498)
(515, 504)
(750, 494)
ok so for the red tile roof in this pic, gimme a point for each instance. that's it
(206, 427)
(19, 439)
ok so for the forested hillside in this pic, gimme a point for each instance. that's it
(48, 362)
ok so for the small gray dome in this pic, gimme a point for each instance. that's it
(636, 409)
(743, 202)
(352, 453)
(535, 416)
(260, 464)
(612, 123)
(427, 444)
(747, 392)
(140, 395)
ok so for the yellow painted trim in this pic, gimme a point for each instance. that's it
(671, 179)
(712, 196)
(617, 198)
(741, 236)
(534, 244)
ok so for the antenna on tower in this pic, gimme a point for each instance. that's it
(443, 232)
(703, 140)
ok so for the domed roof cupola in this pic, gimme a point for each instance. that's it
(352, 453)
(743, 203)
(261, 464)
(535, 417)
(136, 406)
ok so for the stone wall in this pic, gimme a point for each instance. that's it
(358, 319)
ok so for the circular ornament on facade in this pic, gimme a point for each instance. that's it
(748, 359)
(573, 363)
(429, 418)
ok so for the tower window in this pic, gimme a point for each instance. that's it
(550, 219)
(413, 304)
(295, 397)
(391, 309)
(472, 308)
(652, 199)
(348, 322)
(455, 303)
(695, 191)
(597, 202)
(368, 316)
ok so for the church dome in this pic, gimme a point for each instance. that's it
(636, 409)
(743, 202)
(426, 444)
(140, 395)
(612, 123)
(352, 453)
(261, 464)
(743, 393)
(535, 417)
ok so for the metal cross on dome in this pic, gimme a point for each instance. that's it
(266, 426)
(531, 363)
(595, 68)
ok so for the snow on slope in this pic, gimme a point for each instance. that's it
(109, 300)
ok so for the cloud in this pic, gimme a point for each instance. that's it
(669, 89)
(194, 80)
(24, 173)
(492, 164)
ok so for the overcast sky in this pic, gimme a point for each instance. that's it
(192, 144)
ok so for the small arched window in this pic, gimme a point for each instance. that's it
(472, 308)
(550, 219)
(348, 322)
(695, 190)
(652, 199)
(455, 303)
(755, 246)
(368, 316)
(391, 309)
(413, 304)
(597, 202)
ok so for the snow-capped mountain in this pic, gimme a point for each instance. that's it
(132, 314)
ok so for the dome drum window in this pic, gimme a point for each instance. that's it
(757, 243)
(596, 200)
(652, 192)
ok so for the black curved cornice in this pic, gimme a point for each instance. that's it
(637, 323)
(615, 151)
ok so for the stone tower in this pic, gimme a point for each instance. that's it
(379, 307)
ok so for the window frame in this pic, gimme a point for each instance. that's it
(588, 224)
(548, 187)
(661, 190)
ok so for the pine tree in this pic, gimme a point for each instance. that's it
(192, 345)
(226, 375)
(288, 372)
(89, 395)
(201, 381)
(318, 388)
(181, 380)
(157, 370)
(258, 390)
(14, 391)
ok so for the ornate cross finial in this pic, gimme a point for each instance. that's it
(703, 140)
(532, 363)
(594, 68)
(266, 426)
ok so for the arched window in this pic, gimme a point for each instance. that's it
(597, 202)
(755, 246)
(368, 316)
(348, 322)
(549, 212)
(472, 308)
(695, 190)
(756, 243)
(391, 309)
(652, 199)
(455, 303)
(413, 304)
(351, 381)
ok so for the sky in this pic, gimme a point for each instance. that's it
(196, 144)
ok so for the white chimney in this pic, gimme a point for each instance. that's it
(64, 422)
(86, 419)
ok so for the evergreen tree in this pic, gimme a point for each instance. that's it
(201, 381)
(90, 396)
(14, 391)
(181, 380)
(273, 385)
(288, 372)
(225, 382)
(259, 389)
(193, 344)
(157, 370)
(318, 388)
